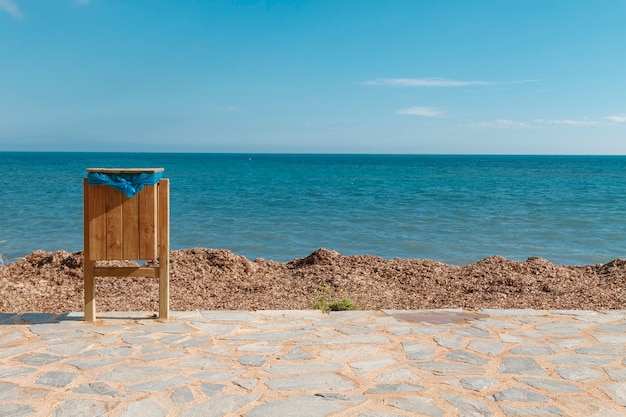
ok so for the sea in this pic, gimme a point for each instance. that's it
(456, 209)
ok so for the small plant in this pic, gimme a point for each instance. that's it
(327, 301)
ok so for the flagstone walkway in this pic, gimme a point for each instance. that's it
(309, 364)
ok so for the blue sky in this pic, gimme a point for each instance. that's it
(320, 76)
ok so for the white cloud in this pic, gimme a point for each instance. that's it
(618, 118)
(434, 82)
(421, 111)
(498, 124)
(570, 122)
(11, 8)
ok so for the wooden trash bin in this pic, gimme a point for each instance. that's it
(129, 225)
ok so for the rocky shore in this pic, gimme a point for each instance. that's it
(210, 279)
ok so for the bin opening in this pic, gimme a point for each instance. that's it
(128, 181)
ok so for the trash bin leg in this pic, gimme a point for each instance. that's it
(90, 293)
(164, 248)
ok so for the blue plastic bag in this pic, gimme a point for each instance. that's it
(129, 184)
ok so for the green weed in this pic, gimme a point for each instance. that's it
(329, 301)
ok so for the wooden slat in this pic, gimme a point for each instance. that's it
(164, 248)
(130, 228)
(147, 222)
(114, 201)
(95, 208)
(125, 271)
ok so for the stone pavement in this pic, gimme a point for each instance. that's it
(309, 364)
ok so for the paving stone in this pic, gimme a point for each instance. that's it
(219, 351)
(451, 342)
(92, 363)
(602, 350)
(172, 339)
(15, 410)
(260, 348)
(445, 368)
(296, 354)
(417, 405)
(201, 362)
(562, 328)
(126, 373)
(468, 407)
(246, 383)
(67, 349)
(466, 357)
(220, 406)
(370, 365)
(252, 360)
(11, 338)
(80, 408)
(418, 351)
(278, 336)
(56, 379)
(617, 374)
(39, 359)
(145, 408)
(612, 328)
(532, 411)
(97, 388)
(486, 347)
(166, 354)
(478, 384)
(213, 329)
(303, 368)
(182, 395)
(211, 390)
(343, 340)
(473, 331)
(196, 341)
(496, 324)
(549, 385)
(587, 406)
(533, 350)
(294, 314)
(136, 340)
(304, 406)
(397, 375)
(10, 391)
(392, 388)
(219, 375)
(533, 334)
(159, 384)
(521, 366)
(37, 317)
(616, 391)
(10, 372)
(115, 351)
(611, 338)
(580, 360)
(172, 327)
(521, 395)
(569, 342)
(507, 338)
(317, 381)
(234, 316)
(511, 312)
(579, 374)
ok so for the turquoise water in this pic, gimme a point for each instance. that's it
(455, 209)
